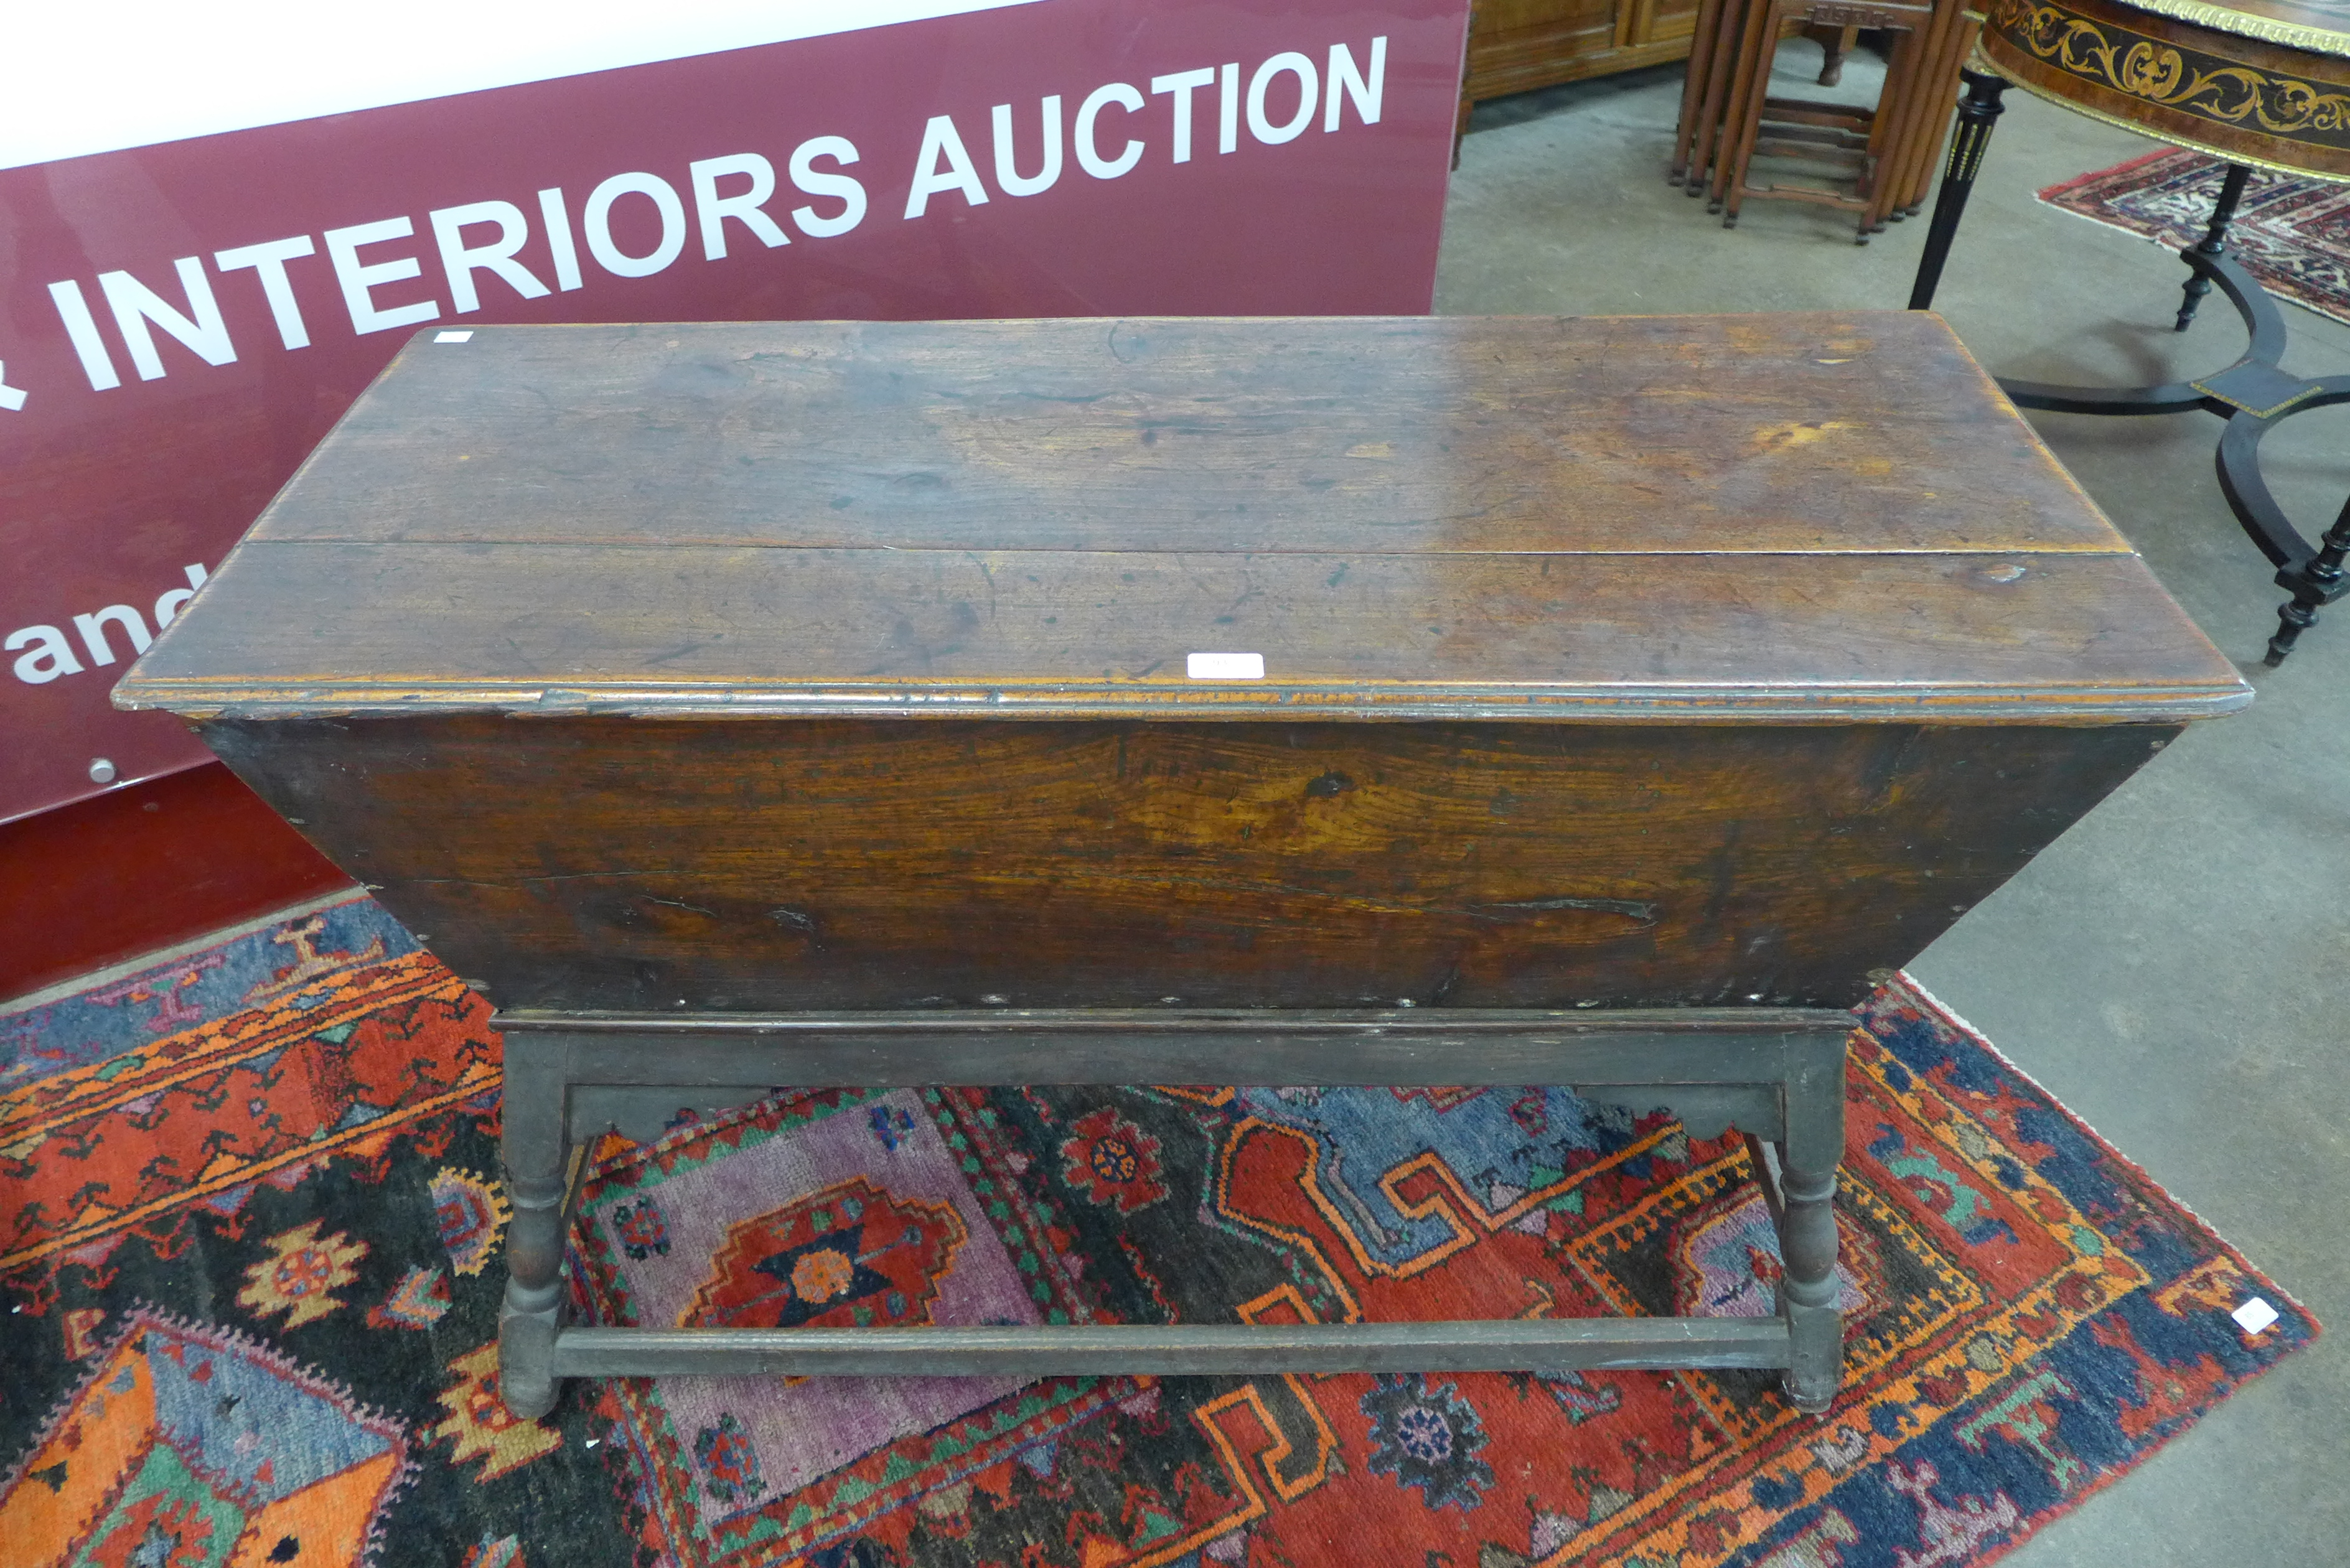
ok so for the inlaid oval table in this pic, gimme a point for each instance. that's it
(2261, 84)
(1408, 702)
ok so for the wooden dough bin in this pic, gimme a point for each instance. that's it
(812, 704)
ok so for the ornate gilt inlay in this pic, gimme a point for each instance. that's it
(2099, 53)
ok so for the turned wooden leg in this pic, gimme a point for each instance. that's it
(1701, 65)
(1744, 127)
(1807, 1226)
(1834, 43)
(533, 1149)
(1720, 75)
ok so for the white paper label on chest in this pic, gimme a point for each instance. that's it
(1224, 665)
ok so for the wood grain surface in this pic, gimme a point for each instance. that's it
(547, 628)
(534, 644)
(613, 863)
(1814, 517)
(1799, 431)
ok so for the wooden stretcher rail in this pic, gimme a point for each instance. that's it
(1775, 1072)
(1540, 1345)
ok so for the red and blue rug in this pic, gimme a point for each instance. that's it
(2292, 234)
(249, 1216)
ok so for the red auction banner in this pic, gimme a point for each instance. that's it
(180, 323)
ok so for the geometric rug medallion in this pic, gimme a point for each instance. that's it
(2294, 235)
(249, 1226)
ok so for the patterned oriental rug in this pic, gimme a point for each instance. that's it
(248, 1227)
(2294, 235)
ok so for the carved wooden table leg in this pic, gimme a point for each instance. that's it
(1834, 43)
(534, 1149)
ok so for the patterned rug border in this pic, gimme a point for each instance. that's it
(2049, 193)
(17, 1003)
(2286, 1304)
(2285, 256)
(1966, 1026)
(224, 974)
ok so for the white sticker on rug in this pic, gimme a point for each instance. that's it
(2254, 1316)
(1225, 666)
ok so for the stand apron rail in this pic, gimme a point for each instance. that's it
(1777, 1075)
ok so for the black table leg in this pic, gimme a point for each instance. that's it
(2255, 395)
(1976, 112)
(2215, 240)
(2317, 582)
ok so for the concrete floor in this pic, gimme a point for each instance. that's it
(2177, 967)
